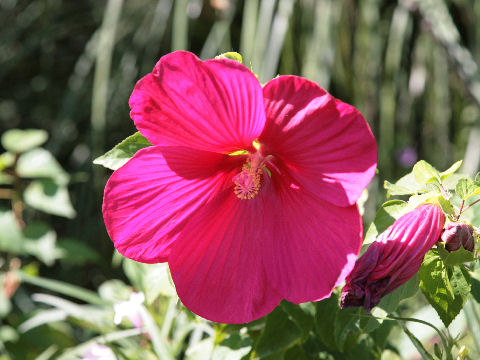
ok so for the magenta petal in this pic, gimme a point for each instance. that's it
(312, 246)
(215, 105)
(216, 263)
(149, 199)
(326, 143)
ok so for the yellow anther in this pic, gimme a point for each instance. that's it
(247, 182)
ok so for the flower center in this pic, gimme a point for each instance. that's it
(248, 181)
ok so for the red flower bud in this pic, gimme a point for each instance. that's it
(456, 234)
(394, 257)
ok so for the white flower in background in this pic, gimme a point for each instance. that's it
(99, 352)
(130, 309)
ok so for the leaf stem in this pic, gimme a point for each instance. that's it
(461, 208)
(470, 205)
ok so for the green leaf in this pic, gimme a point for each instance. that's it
(233, 347)
(303, 315)
(76, 252)
(475, 277)
(425, 173)
(346, 326)
(40, 163)
(114, 291)
(394, 189)
(6, 160)
(390, 302)
(385, 216)
(18, 141)
(327, 310)
(122, 152)
(445, 174)
(456, 257)
(11, 237)
(445, 287)
(230, 55)
(279, 334)
(40, 241)
(47, 196)
(466, 188)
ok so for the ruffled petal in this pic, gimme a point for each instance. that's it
(216, 263)
(312, 246)
(216, 105)
(148, 201)
(326, 144)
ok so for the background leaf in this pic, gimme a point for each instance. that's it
(18, 141)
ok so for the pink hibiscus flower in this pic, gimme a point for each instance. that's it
(248, 192)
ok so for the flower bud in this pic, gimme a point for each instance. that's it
(394, 257)
(456, 234)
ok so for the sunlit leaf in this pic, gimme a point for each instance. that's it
(385, 216)
(45, 195)
(445, 287)
(40, 163)
(18, 141)
(425, 173)
(466, 188)
(445, 174)
(122, 152)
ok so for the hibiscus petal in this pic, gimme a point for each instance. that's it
(216, 263)
(215, 105)
(149, 199)
(326, 144)
(313, 245)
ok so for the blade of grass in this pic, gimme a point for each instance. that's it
(277, 37)
(248, 31)
(180, 25)
(101, 78)
(63, 288)
(264, 23)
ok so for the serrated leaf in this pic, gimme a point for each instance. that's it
(425, 173)
(232, 55)
(385, 216)
(18, 141)
(280, 333)
(466, 188)
(40, 163)
(46, 196)
(445, 287)
(122, 152)
(445, 174)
